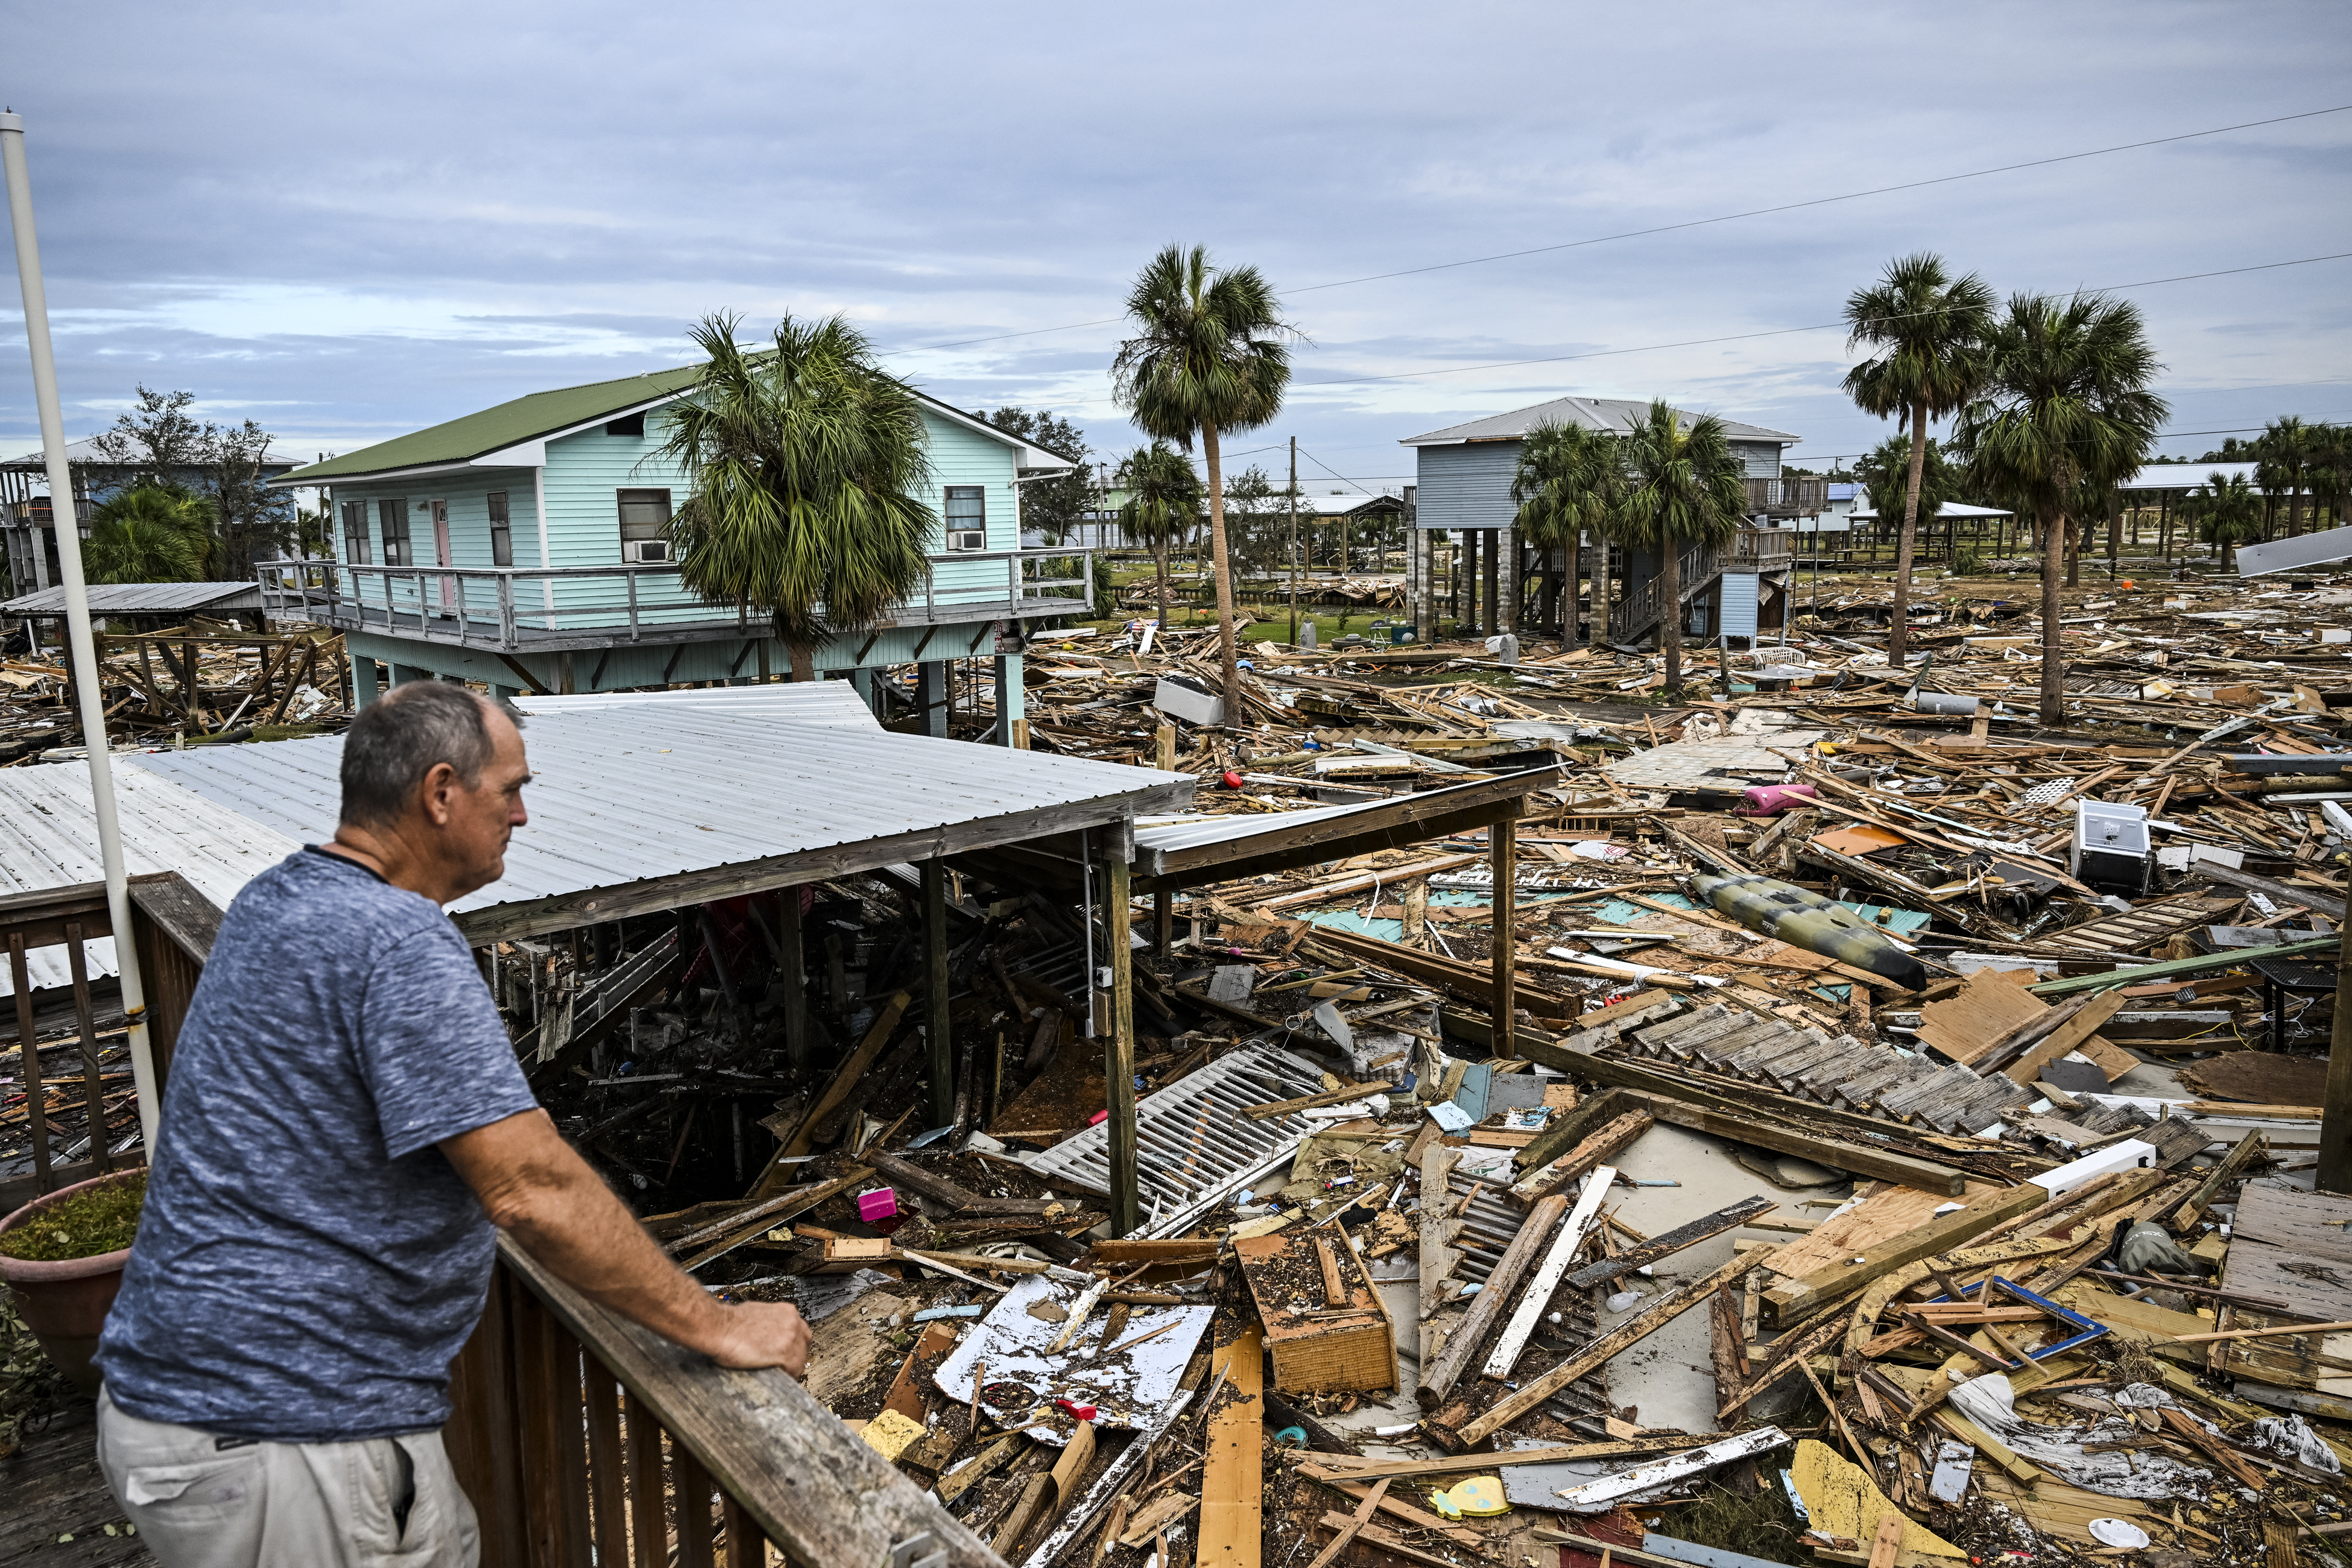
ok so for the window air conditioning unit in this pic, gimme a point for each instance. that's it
(646, 551)
(968, 539)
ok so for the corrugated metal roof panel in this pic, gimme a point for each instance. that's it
(142, 599)
(1614, 414)
(1194, 832)
(680, 782)
(49, 839)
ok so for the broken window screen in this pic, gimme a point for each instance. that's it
(392, 517)
(501, 530)
(967, 517)
(355, 533)
(643, 514)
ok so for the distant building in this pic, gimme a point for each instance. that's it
(1464, 474)
(528, 544)
(24, 504)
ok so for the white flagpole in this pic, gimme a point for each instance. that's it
(82, 646)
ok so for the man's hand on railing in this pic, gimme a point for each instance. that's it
(537, 1188)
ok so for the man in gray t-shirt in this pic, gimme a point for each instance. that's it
(345, 1128)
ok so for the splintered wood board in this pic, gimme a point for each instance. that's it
(1881, 1216)
(1232, 1473)
(1314, 1352)
(1992, 1003)
(2313, 1224)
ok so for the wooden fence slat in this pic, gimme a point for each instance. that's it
(746, 1544)
(694, 1490)
(648, 1519)
(606, 1489)
(36, 1094)
(566, 1406)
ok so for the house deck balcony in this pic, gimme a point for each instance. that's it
(537, 609)
(1798, 495)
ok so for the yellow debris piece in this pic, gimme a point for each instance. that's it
(1841, 1499)
(891, 1434)
(1479, 1497)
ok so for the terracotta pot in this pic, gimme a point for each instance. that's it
(65, 1303)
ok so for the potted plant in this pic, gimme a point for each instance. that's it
(62, 1256)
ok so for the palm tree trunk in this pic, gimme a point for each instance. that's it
(1670, 612)
(803, 659)
(1227, 655)
(1159, 554)
(1898, 634)
(2115, 533)
(2055, 531)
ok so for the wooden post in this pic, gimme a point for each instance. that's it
(1164, 920)
(1502, 839)
(795, 973)
(1165, 741)
(2335, 1174)
(935, 991)
(1119, 1046)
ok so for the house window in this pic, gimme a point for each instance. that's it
(627, 425)
(355, 533)
(501, 530)
(644, 514)
(967, 517)
(391, 516)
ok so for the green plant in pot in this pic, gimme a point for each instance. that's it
(62, 1256)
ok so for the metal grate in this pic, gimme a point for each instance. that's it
(1192, 1142)
(1489, 1224)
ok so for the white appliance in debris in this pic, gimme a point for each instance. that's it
(2111, 850)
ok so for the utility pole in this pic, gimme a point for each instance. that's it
(1294, 541)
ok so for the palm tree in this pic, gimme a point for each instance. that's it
(2065, 395)
(1163, 500)
(1683, 486)
(2330, 474)
(1927, 327)
(1208, 356)
(152, 533)
(1570, 479)
(1886, 470)
(810, 476)
(2227, 511)
(2286, 452)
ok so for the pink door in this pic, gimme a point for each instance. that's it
(441, 550)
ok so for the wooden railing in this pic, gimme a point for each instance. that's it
(172, 930)
(1641, 605)
(1762, 549)
(584, 1439)
(1797, 495)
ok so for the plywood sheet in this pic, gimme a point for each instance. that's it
(1233, 1477)
(1965, 1026)
(2263, 1077)
(1860, 838)
(2316, 1224)
(1885, 1216)
(2320, 1287)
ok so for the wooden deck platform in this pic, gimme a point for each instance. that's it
(51, 1488)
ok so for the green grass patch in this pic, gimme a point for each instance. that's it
(101, 1220)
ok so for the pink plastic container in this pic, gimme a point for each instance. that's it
(876, 1206)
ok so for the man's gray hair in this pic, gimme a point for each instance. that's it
(404, 735)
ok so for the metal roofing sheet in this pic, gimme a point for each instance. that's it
(1614, 414)
(49, 839)
(680, 781)
(142, 599)
(1196, 832)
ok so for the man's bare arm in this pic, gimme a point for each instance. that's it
(536, 1188)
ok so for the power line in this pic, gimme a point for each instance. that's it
(1700, 222)
(1782, 332)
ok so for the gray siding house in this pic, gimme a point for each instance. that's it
(1463, 489)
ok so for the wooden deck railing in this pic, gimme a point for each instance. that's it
(1797, 495)
(584, 1439)
(172, 929)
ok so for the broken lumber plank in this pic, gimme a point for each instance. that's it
(1439, 1224)
(2228, 958)
(1538, 1292)
(1111, 1483)
(1394, 1545)
(1355, 1522)
(1232, 1473)
(1671, 1242)
(1566, 1129)
(2249, 1149)
(807, 1198)
(1602, 1144)
(1798, 1297)
(1600, 1352)
(1669, 1098)
(886, 1022)
(1438, 1377)
(1333, 1468)
(1781, 1355)
(1603, 1492)
(907, 1173)
(1339, 1096)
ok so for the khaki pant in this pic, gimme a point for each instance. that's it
(387, 1502)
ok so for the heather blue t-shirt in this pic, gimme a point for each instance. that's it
(308, 1263)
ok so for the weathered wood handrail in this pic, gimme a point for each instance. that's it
(565, 1414)
(172, 930)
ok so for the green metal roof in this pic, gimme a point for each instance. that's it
(509, 424)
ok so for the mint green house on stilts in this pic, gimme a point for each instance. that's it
(526, 547)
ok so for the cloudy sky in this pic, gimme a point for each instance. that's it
(348, 222)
